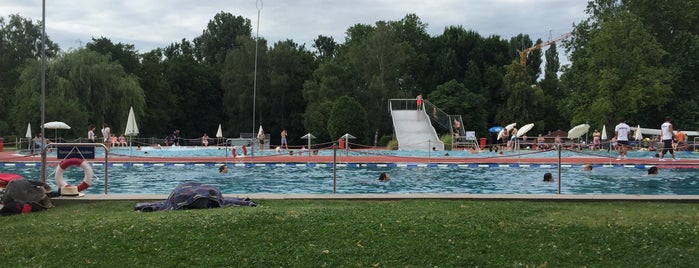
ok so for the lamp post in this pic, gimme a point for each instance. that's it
(258, 5)
(43, 89)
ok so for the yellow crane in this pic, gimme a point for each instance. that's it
(523, 53)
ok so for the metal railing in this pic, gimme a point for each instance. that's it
(75, 145)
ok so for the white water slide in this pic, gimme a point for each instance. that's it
(414, 130)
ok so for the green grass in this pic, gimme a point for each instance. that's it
(322, 233)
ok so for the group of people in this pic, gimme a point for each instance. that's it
(668, 137)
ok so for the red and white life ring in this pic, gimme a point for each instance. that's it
(87, 169)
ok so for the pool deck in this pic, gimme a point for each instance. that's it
(488, 158)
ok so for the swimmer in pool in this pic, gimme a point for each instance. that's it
(223, 169)
(384, 177)
(548, 177)
(652, 171)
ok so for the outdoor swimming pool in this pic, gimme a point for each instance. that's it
(243, 178)
(121, 152)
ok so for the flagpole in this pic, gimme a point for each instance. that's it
(43, 89)
(258, 4)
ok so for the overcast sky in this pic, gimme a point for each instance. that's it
(150, 24)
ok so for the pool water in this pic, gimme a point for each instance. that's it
(318, 179)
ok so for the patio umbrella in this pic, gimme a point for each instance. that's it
(526, 128)
(56, 125)
(131, 127)
(29, 135)
(495, 129)
(578, 131)
(604, 132)
(637, 133)
(510, 126)
(219, 135)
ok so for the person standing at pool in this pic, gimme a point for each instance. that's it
(91, 133)
(107, 134)
(261, 139)
(667, 136)
(621, 133)
(283, 143)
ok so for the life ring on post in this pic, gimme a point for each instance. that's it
(87, 169)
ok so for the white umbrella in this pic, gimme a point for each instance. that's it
(29, 131)
(604, 132)
(29, 135)
(510, 126)
(131, 126)
(501, 133)
(219, 132)
(56, 125)
(578, 131)
(637, 133)
(526, 128)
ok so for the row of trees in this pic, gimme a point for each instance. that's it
(627, 61)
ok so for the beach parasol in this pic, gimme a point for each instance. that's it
(56, 125)
(29, 135)
(578, 131)
(510, 126)
(526, 128)
(219, 132)
(637, 133)
(495, 129)
(604, 132)
(131, 128)
(219, 135)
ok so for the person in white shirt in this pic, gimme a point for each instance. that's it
(667, 135)
(621, 133)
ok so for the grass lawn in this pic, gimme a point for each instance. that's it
(339, 233)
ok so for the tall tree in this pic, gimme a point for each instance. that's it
(160, 101)
(82, 87)
(289, 66)
(20, 40)
(124, 54)
(522, 98)
(348, 116)
(220, 36)
(617, 69)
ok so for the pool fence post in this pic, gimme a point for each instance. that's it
(559, 168)
(334, 167)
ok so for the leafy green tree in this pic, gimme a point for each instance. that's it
(290, 65)
(83, 87)
(551, 112)
(20, 41)
(673, 23)
(326, 47)
(522, 99)
(239, 94)
(456, 98)
(124, 54)
(617, 69)
(348, 116)
(196, 87)
(160, 101)
(222, 34)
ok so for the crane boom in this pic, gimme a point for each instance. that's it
(523, 53)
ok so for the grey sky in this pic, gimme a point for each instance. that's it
(150, 24)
